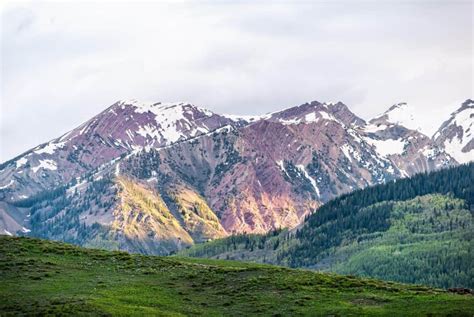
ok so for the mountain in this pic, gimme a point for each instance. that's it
(395, 134)
(456, 135)
(124, 127)
(414, 230)
(155, 178)
(60, 279)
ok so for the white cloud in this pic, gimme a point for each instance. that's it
(63, 62)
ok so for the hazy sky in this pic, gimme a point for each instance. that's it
(63, 62)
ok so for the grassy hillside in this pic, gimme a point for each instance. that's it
(417, 230)
(42, 277)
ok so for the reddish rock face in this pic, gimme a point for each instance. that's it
(232, 175)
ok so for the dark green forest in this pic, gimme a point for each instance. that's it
(416, 230)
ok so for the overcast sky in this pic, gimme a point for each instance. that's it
(63, 62)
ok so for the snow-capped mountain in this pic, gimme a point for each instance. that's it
(314, 112)
(395, 135)
(401, 114)
(456, 135)
(155, 177)
(124, 127)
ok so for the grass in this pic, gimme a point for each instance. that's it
(41, 277)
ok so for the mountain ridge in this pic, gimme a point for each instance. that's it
(254, 174)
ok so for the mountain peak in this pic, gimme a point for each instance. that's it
(157, 107)
(456, 134)
(342, 112)
(314, 111)
(468, 104)
(399, 105)
(401, 114)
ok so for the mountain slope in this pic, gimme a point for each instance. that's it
(121, 213)
(414, 230)
(435, 229)
(60, 279)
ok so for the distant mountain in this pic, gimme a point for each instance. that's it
(396, 135)
(154, 177)
(456, 135)
(415, 230)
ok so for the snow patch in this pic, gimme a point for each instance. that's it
(148, 130)
(289, 121)
(455, 146)
(237, 118)
(391, 170)
(85, 127)
(117, 169)
(79, 185)
(346, 150)
(281, 165)
(50, 148)
(387, 147)
(375, 127)
(130, 134)
(311, 117)
(404, 115)
(172, 120)
(429, 152)
(8, 233)
(328, 116)
(21, 162)
(7, 185)
(313, 182)
(45, 164)
(404, 173)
